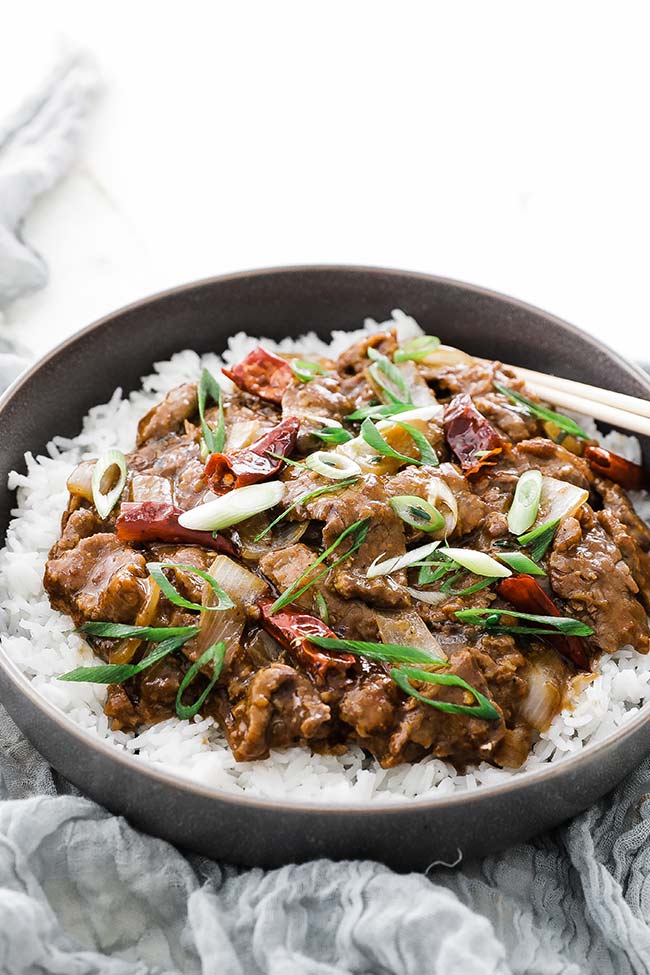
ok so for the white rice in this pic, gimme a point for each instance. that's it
(42, 644)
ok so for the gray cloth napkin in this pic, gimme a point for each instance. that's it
(82, 893)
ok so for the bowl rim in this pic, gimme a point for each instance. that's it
(519, 781)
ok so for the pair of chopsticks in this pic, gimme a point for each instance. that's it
(617, 409)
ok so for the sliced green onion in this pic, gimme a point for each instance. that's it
(388, 652)
(214, 439)
(539, 538)
(332, 465)
(478, 562)
(389, 378)
(306, 371)
(321, 606)
(398, 562)
(470, 589)
(564, 624)
(287, 460)
(374, 439)
(563, 422)
(381, 410)
(156, 572)
(417, 512)
(238, 505)
(482, 709)
(521, 563)
(416, 349)
(118, 673)
(525, 503)
(104, 503)
(327, 489)
(122, 631)
(333, 434)
(428, 455)
(216, 654)
(441, 569)
(358, 530)
(424, 596)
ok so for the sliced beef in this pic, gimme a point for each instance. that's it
(637, 560)
(352, 364)
(167, 416)
(513, 422)
(586, 568)
(616, 499)
(100, 578)
(80, 523)
(316, 404)
(421, 482)
(177, 459)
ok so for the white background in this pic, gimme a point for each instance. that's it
(500, 143)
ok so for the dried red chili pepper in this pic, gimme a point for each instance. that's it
(292, 630)
(527, 596)
(262, 373)
(252, 464)
(468, 433)
(616, 468)
(157, 521)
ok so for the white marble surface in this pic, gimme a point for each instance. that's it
(501, 144)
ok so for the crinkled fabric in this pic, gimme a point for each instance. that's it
(82, 893)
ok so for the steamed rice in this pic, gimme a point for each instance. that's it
(41, 643)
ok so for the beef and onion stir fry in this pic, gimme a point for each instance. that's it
(401, 549)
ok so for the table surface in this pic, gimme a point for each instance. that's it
(507, 147)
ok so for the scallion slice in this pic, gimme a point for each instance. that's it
(306, 371)
(374, 439)
(123, 631)
(216, 654)
(235, 506)
(388, 377)
(521, 563)
(321, 606)
(388, 652)
(563, 422)
(417, 512)
(156, 571)
(104, 503)
(416, 349)
(539, 538)
(525, 503)
(477, 562)
(118, 673)
(332, 465)
(304, 499)
(428, 455)
(381, 410)
(482, 709)
(490, 617)
(358, 530)
(333, 435)
(214, 439)
(388, 566)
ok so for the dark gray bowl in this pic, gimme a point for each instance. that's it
(84, 370)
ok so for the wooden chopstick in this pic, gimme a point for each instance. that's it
(590, 407)
(633, 404)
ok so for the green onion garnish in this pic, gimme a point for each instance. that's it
(104, 503)
(328, 463)
(478, 562)
(392, 653)
(358, 530)
(563, 624)
(216, 654)
(417, 348)
(333, 434)
(383, 410)
(327, 489)
(563, 422)
(123, 631)
(235, 506)
(214, 439)
(482, 709)
(428, 455)
(539, 538)
(525, 504)
(374, 439)
(521, 563)
(118, 673)
(448, 587)
(389, 378)
(321, 606)
(156, 572)
(417, 512)
(306, 371)
(440, 570)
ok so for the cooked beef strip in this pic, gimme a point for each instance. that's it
(614, 497)
(316, 404)
(587, 569)
(352, 364)
(167, 416)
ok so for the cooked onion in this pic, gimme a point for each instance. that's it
(123, 653)
(440, 495)
(546, 675)
(432, 598)
(150, 487)
(331, 464)
(241, 433)
(408, 629)
(244, 588)
(284, 534)
(559, 499)
(388, 566)
(447, 355)
(80, 481)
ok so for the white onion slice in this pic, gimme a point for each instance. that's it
(478, 562)
(559, 499)
(447, 355)
(231, 508)
(439, 493)
(424, 413)
(104, 503)
(408, 629)
(432, 598)
(331, 464)
(388, 566)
